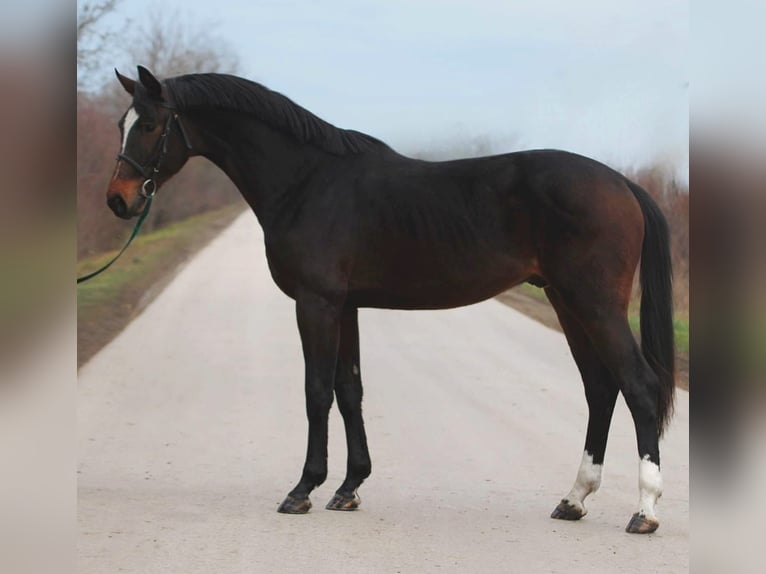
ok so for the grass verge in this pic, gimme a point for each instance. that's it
(532, 301)
(108, 302)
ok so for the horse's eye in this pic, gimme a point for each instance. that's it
(147, 127)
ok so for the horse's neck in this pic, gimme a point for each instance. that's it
(262, 162)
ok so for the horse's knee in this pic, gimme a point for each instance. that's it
(349, 405)
(348, 392)
(318, 402)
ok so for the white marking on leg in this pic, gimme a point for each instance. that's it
(355, 370)
(588, 480)
(130, 120)
(649, 487)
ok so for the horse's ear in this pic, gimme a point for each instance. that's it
(127, 83)
(152, 84)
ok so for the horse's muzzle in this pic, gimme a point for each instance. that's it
(118, 206)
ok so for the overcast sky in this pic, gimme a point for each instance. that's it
(605, 78)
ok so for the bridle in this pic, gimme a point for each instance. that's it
(149, 187)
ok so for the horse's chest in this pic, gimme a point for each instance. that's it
(308, 265)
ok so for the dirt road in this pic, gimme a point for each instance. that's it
(192, 429)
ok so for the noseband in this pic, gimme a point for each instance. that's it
(149, 187)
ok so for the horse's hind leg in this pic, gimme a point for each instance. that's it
(601, 394)
(605, 322)
(348, 391)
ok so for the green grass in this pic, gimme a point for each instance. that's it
(107, 302)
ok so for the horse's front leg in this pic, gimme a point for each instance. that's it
(319, 325)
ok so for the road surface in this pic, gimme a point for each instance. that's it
(192, 430)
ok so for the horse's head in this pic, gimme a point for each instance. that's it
(154, 145)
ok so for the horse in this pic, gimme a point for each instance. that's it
(350, 223)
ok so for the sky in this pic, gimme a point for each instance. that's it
(603, 78)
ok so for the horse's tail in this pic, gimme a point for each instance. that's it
(657, 336)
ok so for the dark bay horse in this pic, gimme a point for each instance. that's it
(350, 223)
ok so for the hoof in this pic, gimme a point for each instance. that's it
(344, 502)
(641, 524)
(568, 511)
(292, 505)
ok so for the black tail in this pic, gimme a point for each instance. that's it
(657, 337)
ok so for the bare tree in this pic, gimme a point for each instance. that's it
(170, 45)
(93, 36)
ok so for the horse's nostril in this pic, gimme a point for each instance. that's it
(117, 205)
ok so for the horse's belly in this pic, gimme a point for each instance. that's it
(429, 284)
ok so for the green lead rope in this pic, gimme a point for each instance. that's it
(136, 229)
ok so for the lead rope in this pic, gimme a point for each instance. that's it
(136, 229)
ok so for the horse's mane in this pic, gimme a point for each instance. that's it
(224, 91)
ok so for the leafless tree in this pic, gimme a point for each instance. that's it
(93, 36)
(170, 45)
